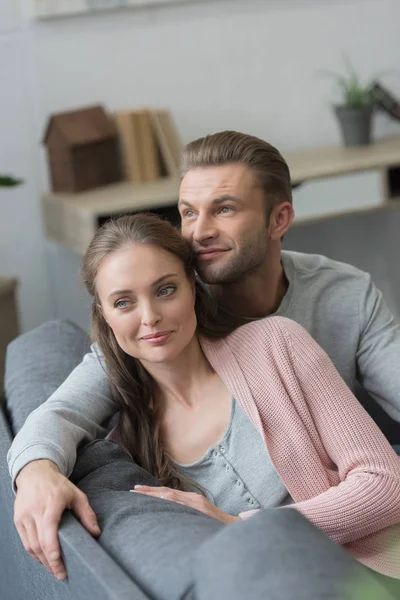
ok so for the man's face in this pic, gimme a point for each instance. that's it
(223, 216)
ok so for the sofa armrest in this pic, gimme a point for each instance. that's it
(92, 573)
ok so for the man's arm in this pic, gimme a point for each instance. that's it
(73, 414)
(378, 354)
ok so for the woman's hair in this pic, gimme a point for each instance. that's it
(132, 386)
(226, 147)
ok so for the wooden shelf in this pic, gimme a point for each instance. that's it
(72, 219)
(318, 163)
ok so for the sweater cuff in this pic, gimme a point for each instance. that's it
(32, 453)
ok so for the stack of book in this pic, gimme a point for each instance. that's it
(150, 144)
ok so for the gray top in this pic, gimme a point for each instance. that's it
(237, 473)
(336, 303)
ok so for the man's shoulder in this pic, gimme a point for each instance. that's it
(317, 265)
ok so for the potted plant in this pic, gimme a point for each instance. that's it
(355, 110)
(9, 181)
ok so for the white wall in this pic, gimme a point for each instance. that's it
(21, 238)
(243, 64)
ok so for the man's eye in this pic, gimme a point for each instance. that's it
(121, 304)
(167, 291)
(225, 210)
(188, 214)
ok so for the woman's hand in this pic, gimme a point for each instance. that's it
(42, 496)
(191, 499)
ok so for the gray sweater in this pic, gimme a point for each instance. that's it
(336, 303)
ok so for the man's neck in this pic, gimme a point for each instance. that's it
(257, 295)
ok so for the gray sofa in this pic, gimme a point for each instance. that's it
(368, 239)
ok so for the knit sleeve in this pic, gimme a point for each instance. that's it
(367, 499)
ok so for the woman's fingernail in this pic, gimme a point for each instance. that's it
(140, 486)
(61, 575)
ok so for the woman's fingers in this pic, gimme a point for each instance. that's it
(153, 494)
(191, 499)
(149, 488)
(165, 493)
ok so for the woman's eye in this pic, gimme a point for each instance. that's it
(167, 291)
(121, 304)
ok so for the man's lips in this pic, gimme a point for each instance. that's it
(210, 253)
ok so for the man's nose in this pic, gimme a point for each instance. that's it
(204, 229)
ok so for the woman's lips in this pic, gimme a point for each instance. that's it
(157, 338)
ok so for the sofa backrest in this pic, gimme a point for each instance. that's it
(368, 239)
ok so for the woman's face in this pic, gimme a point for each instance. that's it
(148, 301)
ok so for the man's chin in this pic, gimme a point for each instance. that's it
(207, 273)
(212, 275)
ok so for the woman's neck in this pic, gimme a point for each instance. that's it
(182, 380)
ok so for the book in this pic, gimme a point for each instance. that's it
(168, 141)
(129, 136)
(149, 156)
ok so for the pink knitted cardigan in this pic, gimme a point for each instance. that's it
(336, 464)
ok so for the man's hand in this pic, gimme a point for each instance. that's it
(191, 499)
(42, 496)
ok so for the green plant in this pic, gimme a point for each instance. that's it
(9, 181)
(354, 93)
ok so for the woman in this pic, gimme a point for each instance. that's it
(214, 414)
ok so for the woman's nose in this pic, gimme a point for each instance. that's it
(150, 315)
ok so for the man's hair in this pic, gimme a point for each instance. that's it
(227, 147)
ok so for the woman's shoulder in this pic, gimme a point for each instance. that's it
(269, 336)
(266, 328)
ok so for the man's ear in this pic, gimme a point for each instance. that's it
(281, 218)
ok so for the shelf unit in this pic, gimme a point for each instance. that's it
(8, 320)
(72, 219)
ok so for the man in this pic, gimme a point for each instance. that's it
(235, 204)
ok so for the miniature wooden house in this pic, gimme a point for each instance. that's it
(82, 149)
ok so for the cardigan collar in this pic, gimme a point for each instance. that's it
(224, 362)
